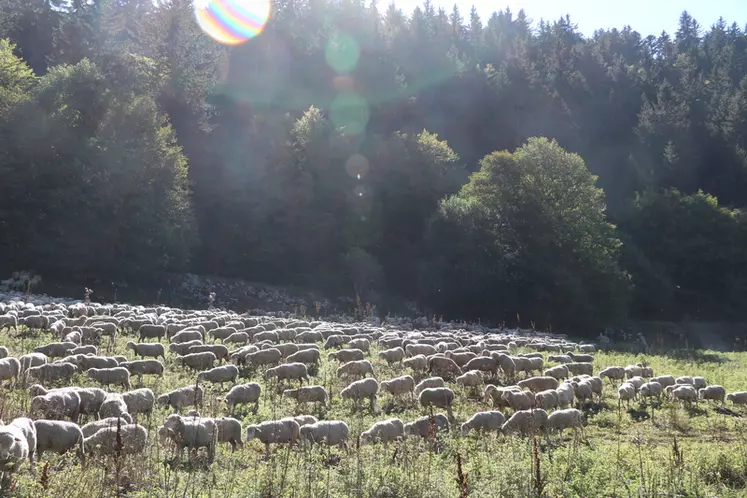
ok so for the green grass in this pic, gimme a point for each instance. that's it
(674, 453)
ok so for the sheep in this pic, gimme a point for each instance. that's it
(269, 356)
(637, 382)
(547, 399)
(626, 392)
(229, 429)
(399, 385)
(444, 367)
(219, 375)
(651, 389)
(268, 335)
(190, 432)
(482, 422)
(281, 431)
(685, 393)
(85, 350)
(8, 321)
(472, 378)
(147, 349)
(139, 401)
(360, 343)
(461, 358)
(60, 437)
(418, 363)
(494, 395)
(144, 367)
(309, 336)
(518, 400)
(633, 371)
(664, 380)
(714, 392)
(148, 331)
(416, 349)
(596, 384)
(31, 360)
(561, 358)
(737, 398)
(305, 419)
(647, 372)
(108, 376)
(92, 428)
(570, 418)
(699, 382)
(525, 422)
(581, 358)
(360, 389)
(331, 433)
(684, 380)
(288, 371)
(336, 341)
(354, 369)
(483, 364)
(113, 406)
(10, 368)
(26, 426)
(346, 355)
(441, 397)
(184, 396)
(14, 449)
(587, 348)
(536, 384)
(577, 368)
(565, 395)
(422, 426)
(238, 338)
(308, 394)
(613, 373)
(558, 372)
(197, 361)
(49, 372)
(427, 383)
(90, 397)
(583, 390)
(55, 349)
(73, 336)
(58, 404)
(384, 431)
(186, 336)
(309, 356)
(222, 332)
(182, 348)
(124, 439)
(242, 394)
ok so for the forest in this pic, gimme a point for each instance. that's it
(487, 169)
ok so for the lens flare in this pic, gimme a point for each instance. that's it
(232, 22)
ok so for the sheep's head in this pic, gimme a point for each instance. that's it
(7, 441)
(38, 403)
(130, 345)
(270, 373)
(290, 393)
(251, 431)
(36, 390)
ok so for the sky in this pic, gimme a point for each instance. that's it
(648, 17)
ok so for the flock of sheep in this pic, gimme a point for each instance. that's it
(220, 347)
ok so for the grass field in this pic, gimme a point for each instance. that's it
(673, 452)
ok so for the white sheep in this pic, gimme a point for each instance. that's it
(633, 371)
(461, 358)
(664, 380)
(108, 376)
(362, 389)
(330, 433)
(547, 399)
(580, 368)
(238, 338)
(626, 392)
(518, 400)
(10, 368)
(113, 406)
(486, 364)
(222, 332)
(482, 422)
(147, 349)
(182, 348)
(393, 355)
(281, 431)
(346, 355)
(58, 404)
(441, 397)
(354, 369)
(699, 382)
(186, 336)
(139, 401)
(404, 385)
(685, 393)
(308, 394)
(427, 383)
(32, 360)
(190, 432)
(271, 356)
(536, 384)
(738, 398)
(714, 392)
(122, 439)
(494, 395)
(219, 375)
(310, 355)
(570, 418)
(418, 363)
(85, 350)
(92, 428)
(184, 396)
(684, 380)
(525, 422)
(59, 437)
(561, 358)
(424, 425)
(651, 389)
(14, 449)
(613, 373)
(243, 394)
(55, 349)
(288, 371)
(565, 395)
(144, 367)
(558, 372)
(197, 361)
(444, 367)
(384, 431)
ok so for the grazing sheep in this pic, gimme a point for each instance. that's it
(525, 422)
(484, 364)
(559, 372)
(55, 349)
(461, 358)
(613, 373)
(362, 389)
(222, 333)
(384, 431)
(139, 401)
(577, 368)
(56, 405)
(308, 394)
(269, 356)
(238, 338)
(187, 336)
(243, 394)
(286, 349)
(632, 371)
(561, 358)
(714, 392)
(144, 367)
(637, 382)
(190, 432)
(581, 358)
(49, 372)
(684, 380)
(518, 400)
(428, 383)
(536, 384)
(309, 356)
(347, 355)
(651, 389)
(569, 418)
(310, 336)
(418, 363)
(565, 395)
(738, 398)
(336, 341)
(219, 375)
(441, 397)
(664, 380)
(73, 336)
(626, 392)
(305, 419)
(108, 376)
(360, 343)
(26, 426)
(197, 361)
(699, 382)
(148, 331)
(685, 393)
(281, 431)
(403, 385)
(288, 371)
(85, 350)
(85, 362)
(92, 428)
(268, 335)
(472, 378)
(14, 449)
(416, 349)
(494, 395)
(8, 321)
(587, 348)
(31, 360)
(184, 396)
(124, 439)
(182, 348)
(547, 399)
(354, 369)
(444, 367)
(422, 426)
(59, 437)
(330, 433)
(113, 406)
(483, 422)
(147, 349)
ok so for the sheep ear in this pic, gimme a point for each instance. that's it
(17, 440)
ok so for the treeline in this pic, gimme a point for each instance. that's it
(356, 149)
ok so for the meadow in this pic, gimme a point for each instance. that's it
(659, 450)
